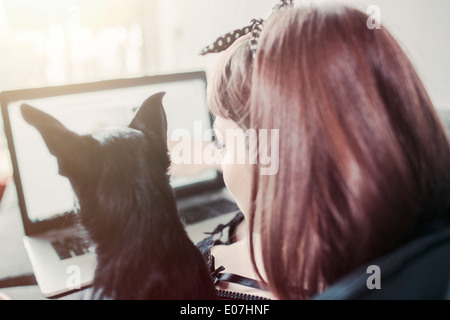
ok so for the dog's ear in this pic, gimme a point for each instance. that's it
(67, 146)
(151, 117)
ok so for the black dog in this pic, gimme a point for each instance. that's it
(120, 177)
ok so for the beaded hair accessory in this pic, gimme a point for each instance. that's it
(255, 28)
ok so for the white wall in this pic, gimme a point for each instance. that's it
(188, 26)
(423, 29)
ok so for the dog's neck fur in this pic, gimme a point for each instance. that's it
(149, 228)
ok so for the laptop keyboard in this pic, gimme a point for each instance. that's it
(207, 211)
(72, 246)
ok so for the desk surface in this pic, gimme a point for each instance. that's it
(14, 259)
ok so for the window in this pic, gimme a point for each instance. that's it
(55, 42)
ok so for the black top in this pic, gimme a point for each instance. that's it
(419, 270)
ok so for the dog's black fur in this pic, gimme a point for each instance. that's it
(120, 177)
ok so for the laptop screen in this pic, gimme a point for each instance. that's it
(47, 194)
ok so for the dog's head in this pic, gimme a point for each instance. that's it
(113, 156)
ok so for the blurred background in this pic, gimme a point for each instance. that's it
(54, 42)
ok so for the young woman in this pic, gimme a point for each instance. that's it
(364, 162)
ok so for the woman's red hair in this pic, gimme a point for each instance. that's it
(364, 159)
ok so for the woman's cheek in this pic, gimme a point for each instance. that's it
(237, 178)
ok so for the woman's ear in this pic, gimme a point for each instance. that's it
(67, 146)
(151, 117)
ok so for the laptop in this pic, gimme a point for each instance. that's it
(63, 260)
